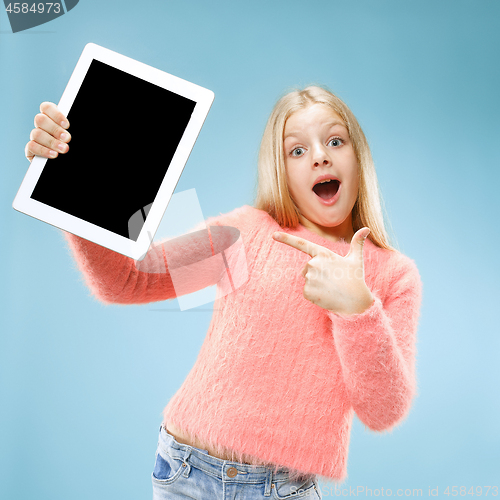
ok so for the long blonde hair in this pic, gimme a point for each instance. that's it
(273, 195)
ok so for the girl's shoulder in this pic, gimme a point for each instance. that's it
(247, 220)
(394, 267)
(243, 218)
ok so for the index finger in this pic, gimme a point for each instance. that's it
(299, 243)
(52, 111)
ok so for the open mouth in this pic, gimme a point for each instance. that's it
(327, 189)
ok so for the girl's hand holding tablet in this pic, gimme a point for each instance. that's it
(129, 193)
(50, 137)
(334, 282)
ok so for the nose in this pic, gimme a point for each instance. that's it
(320, 156)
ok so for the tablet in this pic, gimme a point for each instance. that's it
(132, 130)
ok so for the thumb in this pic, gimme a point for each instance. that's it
(358, 241)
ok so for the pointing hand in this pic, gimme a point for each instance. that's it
(334, 282)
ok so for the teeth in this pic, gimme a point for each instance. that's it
(327, 180)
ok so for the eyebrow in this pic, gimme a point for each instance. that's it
(329, 125)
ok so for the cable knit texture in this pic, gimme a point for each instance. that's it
(279, 378)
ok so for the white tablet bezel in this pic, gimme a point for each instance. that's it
(134, 249)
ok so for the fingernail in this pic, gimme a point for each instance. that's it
(64, 136)
(276, 236)
(64, 124)
(52, 153)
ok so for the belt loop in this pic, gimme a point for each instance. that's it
(186, 464)
(269, 482)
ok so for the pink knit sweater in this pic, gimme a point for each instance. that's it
(278, 377)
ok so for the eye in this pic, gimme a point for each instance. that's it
(337, 140)
(297, 152)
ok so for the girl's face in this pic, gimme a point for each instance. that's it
(317, 146)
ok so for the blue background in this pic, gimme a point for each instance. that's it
(83, 384)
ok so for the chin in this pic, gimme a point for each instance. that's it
(325, 222)
(330, 224)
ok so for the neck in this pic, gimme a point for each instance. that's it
(342, 232)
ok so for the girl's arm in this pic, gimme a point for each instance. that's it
(116, 279)
(377, 350)
(194, 259)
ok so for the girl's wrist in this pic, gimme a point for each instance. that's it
(362, 305)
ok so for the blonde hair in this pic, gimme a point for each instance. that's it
(273, 195)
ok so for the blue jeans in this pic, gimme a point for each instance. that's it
(185, 472)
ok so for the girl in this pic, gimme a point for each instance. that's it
(324, 326)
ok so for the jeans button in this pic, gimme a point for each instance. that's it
(231, 472)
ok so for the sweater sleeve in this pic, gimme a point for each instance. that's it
(377, 350)
(116, 279)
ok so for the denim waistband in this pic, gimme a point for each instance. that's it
(222, 469)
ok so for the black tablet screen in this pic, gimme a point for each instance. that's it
(124, 133)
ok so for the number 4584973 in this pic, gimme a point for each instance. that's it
(40, 8)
